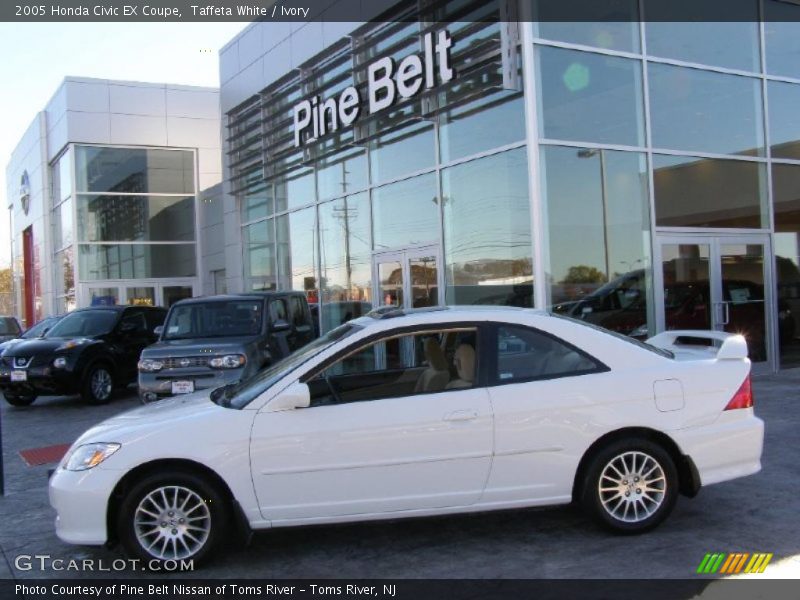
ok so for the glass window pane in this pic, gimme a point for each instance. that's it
(784, 119)
(259, 255)
(786, 184)
(487, 231)
(612, 24)
(62, 177)
(600, 198)
(489, 122)
(135, 218)
(136, 261)
(134, 170)
(346, 260)
(141, 296)
(401, 152)
(341, 174)
(297, 251)
(295, 190)
(406, 213)
(173, 293)
(257, 203)
(780, 38)
(589, 97)
(103, 296)
(62, 225)
(701, 111)
(65, 274)
(705, 192)
(679, 30)
(786, 197)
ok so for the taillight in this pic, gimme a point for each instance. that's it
(743, 398)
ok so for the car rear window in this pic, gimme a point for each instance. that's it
(619, 336)
(230, 318)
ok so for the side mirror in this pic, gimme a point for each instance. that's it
(295, 396)
(281, 325)
(158, 330)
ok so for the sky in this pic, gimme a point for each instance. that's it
(35, 57)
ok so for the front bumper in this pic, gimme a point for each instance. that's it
(726, 449)
(80, 499)
(155, 386)
(41, 381)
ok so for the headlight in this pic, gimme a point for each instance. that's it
(88, 456)
(230, 361)
(60, 362)
(148, 365)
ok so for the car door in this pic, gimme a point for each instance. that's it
(131, 336)
(375, 440)
(303, 331)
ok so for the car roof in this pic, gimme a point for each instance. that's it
(237, 296)
(390, 317)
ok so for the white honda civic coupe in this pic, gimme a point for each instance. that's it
(416, 413)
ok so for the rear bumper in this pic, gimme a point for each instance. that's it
(726, 449)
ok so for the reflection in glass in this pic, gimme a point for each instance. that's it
(103, 296)
(784, 119)
(786, 193)
(706, 192)
(743, 296)
(141, 296)
(259, 255)
(343, 173)
(678, 30)
(294, 191)
(136, 261)
(135, 218)
(257, 203)
(297, 251)
(134, 170)
(489, 122)
(62, 177)
(780, 38)
(598, 228)
(701, 111)
(487, 235)
(390, 277)
(65, 273)
(401, 152)
(589, 97)
(406, 213)
(687, 301)
(62, 225)
(611, 24)
(424, 281)
(346, 259)
(173, 293)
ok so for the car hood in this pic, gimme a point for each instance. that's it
(38, 346)
(172, 413)
(193, 347)
(6, 344)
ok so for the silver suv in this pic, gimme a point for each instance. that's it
(212, 341)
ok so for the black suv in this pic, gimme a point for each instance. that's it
(90, 351)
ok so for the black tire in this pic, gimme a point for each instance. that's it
(92, 392)
(19, 400)
(625, 505)
(213, 505)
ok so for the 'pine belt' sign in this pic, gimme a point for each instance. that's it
(386, 82)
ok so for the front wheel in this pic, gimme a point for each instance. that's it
(98, 385)
(177, 516)
(631, 486)
(19, 400)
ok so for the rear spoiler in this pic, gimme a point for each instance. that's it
(733, 345)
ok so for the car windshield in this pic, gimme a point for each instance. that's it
(84, 323)
(8, 326)
(40, 328)
(241, 394)
(619, 336)
(214, 319)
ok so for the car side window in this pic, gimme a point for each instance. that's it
(298, 311)
(133, 322)
(417, 363)
(278, 310)
(524, 354)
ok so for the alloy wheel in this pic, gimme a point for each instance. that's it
(172, 523)
(102, 384)
(632, 486)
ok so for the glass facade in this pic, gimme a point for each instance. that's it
(638, 132)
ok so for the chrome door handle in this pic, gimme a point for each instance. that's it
(461, 415)
(724, 314)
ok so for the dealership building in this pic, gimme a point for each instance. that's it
(115, 197)
(639, 175)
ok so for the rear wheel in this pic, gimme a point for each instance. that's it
(19, 400)
(98, 386)
(631, 485)
(172, 516)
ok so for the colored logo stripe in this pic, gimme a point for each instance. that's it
(730, 564)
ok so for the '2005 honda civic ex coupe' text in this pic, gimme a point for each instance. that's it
(415, 413)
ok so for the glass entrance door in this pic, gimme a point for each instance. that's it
(717, 282)
(408, 278)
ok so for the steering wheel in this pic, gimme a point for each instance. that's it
(334, 393)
